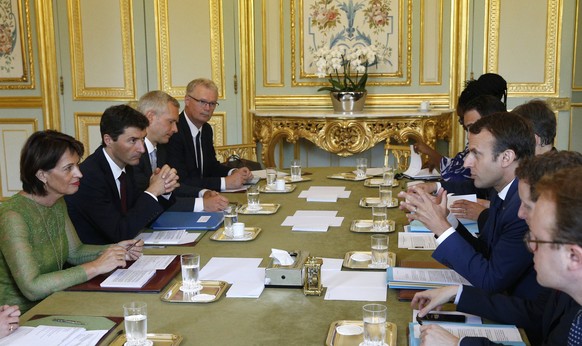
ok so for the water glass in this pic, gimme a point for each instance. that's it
(385, 194)
(253, 198)
(379, 247)
(271, 175)
(388, 176)
(374, 324)
(230, 217)
(361, 167)
(296, 170)
(190, 271)
(379, 218)
(136, 323)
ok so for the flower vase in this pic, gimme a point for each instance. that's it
(348, 101)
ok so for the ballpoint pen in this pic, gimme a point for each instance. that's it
(62, 320)
(418, 319)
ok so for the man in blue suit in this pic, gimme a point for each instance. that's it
(496, 261)
(556, 242)
(109, 206)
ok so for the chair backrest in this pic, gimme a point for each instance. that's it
(398, 155)
(243, 151)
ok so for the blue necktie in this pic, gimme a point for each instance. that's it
(575, 335)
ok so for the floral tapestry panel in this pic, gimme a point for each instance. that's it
(349, 24)
(11, 49)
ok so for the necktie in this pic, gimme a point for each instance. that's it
(154, 160)
(198, 143)
(575, 335)
(123, 192)
(489, 230)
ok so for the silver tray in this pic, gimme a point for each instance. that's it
(157, 338)
(266, 209)
(365, 226)
(250, 234)
(350, 263)
(347, 176)
(214, 287)
(375, 182)
(288, 188)
(336, 339)
(369, 202)
(289, 180)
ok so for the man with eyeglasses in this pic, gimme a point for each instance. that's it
(191, 150)
(548, 318)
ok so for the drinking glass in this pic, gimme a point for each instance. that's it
(379, 218)
(385, 194)
(253, 198)
(296, 170)
(230, 217)
(388, 176)
(190, 271)
(361, 167)
(136, 323)
(379, 247)
(374, 324)
(271, 176)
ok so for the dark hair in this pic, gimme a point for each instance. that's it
(542, 118)
(485, 105)
(565, 188)
(488, 84)
(532, 169)
(42, 151)
(510, 131)
(116, 119)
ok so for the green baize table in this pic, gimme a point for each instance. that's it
(280, 316)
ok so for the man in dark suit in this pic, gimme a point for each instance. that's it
(555, 239)
(109, 207)
(497, 260)
(162, 111)
(191, 150)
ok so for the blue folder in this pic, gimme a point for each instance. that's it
(202, 221)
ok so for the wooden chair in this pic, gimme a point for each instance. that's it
(243, 151)
(397, 155)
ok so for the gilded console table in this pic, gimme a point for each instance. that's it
(346, 135)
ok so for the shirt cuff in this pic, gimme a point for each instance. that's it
(459, 292)
(438, 186)
(151, 194)
(222, 184)
(444, 236)
(167, 195)
(202, 192)
(198, 204)
(232, 171)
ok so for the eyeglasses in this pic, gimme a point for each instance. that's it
(204, 103)
(532, 244)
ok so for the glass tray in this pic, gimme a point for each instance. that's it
(336, 339)
(348, 176)
(158, 339)
(369, 202)
(375, 182)
(350, 263)
(288, 188)
(175, 295)
(266, 209)
(250, 234)
(289, 180)
(365, 226)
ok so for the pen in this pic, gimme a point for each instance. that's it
(418, 319)
(62, 320)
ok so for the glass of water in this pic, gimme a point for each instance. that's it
(230, 217)
(379, 245)
(361, 167)
(385, 194)
(253, 198)
(388, 176)
(190, 272)
(379, 218)
(136, 323)
(374, 324)
(271, 176)
(296, 170)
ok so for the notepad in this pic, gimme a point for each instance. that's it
(139, 273)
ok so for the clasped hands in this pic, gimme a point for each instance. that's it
(163, 181)
(426, 208)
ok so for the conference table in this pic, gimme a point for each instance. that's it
(280, 316)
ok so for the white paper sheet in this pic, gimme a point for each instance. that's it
(415, 169)
(332, 264)
(127, 278)
(262, 173)
(228, 269)
(354, 286)
(58, 336)
(176, 237)
(509, 333)
(324, 193)
(152, 262)
(453, 198)
(435, 276)
(416, 241)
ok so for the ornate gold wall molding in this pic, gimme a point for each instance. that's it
(270, 38)
(549, 86)
(13, 133)
(439, 41)
(26, 81)
(82, 91)
(372, 101)
(48, 68)
(219, 128)
(83, 123)
(577, 86)
(21, 102)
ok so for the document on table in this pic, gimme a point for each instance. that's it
(152, 262)
(415, 170)
(422, 278)
(262, 173)
(54, 336)
(176, 237)
(506, 334)
(139, 273)
(247, 279)
(354, 285)
(416, 241)
(313, 220)
(451, 198)
(324, 193)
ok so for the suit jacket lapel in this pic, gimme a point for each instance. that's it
(185, 130)
(109, 178)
